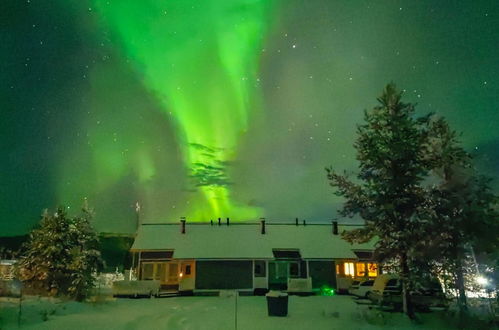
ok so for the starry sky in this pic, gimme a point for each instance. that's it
(223, 108)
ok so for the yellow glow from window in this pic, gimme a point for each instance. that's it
(372, 269)
(349, 269)
(361, 269)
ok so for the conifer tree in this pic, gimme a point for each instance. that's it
(461, 208)
(391, 151)
(61, 255)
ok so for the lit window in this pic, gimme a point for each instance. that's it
(337, 269)
(349, 268)
(361, 269)
(372, 269)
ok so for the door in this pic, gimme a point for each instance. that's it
(173, 272)
(278, 275)
(187, 275)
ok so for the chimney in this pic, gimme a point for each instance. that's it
(335, 227)
(296, 221)
(227, 221)
(304, 223)
(182, 225)
(211, 222)
(262, 226)
(219, 223)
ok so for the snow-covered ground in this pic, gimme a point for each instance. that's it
(316, 312)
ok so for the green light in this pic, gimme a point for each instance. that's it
(200, 59)
(326, 291)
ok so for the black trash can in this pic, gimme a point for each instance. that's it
(277, 305)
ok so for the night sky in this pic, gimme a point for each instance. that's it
(223, 108)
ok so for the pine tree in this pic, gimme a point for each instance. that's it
(461, 208)
(391, 150)
(61, 255)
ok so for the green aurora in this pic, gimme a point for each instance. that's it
(223, 108)
(200, 58)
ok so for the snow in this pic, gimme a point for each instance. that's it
(276, 294)
(245, 241)
(317, 312)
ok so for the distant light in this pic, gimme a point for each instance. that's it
(482, 280)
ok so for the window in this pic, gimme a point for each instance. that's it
(348, 267)
(372, 269)
(156, 255)
(259, 268)
(147, 271)
(337, 269)
(286, 253)
(367, 283)
(361, 269)
(294, 269)
(159, 273)
(364, 255)
(188, 270)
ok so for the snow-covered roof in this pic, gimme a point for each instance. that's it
(244, 240)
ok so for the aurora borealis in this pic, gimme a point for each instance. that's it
(201, 67)
(223, 108)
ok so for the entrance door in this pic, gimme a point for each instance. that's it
(278, 275)
(172, 275)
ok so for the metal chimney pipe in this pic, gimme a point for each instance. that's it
(219, 223)
(296, 221)
(262, 225)
(182, 225)
(304, 223)
(227, 221)
(335, 227)
(211, 222)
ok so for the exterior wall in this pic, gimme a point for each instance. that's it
(322, 273)
(224, 274)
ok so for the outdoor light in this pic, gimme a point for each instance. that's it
(482, 280)
(181, 274)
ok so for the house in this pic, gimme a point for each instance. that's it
(255, 257)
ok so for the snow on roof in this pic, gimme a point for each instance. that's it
(244, 240)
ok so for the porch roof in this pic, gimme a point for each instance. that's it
(245, 241)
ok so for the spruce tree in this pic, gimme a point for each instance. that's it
(61, 255)
(461, 209)
(391, 151)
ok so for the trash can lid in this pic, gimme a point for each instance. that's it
(272, 293)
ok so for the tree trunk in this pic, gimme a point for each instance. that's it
(461, 299)
(408, 308)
